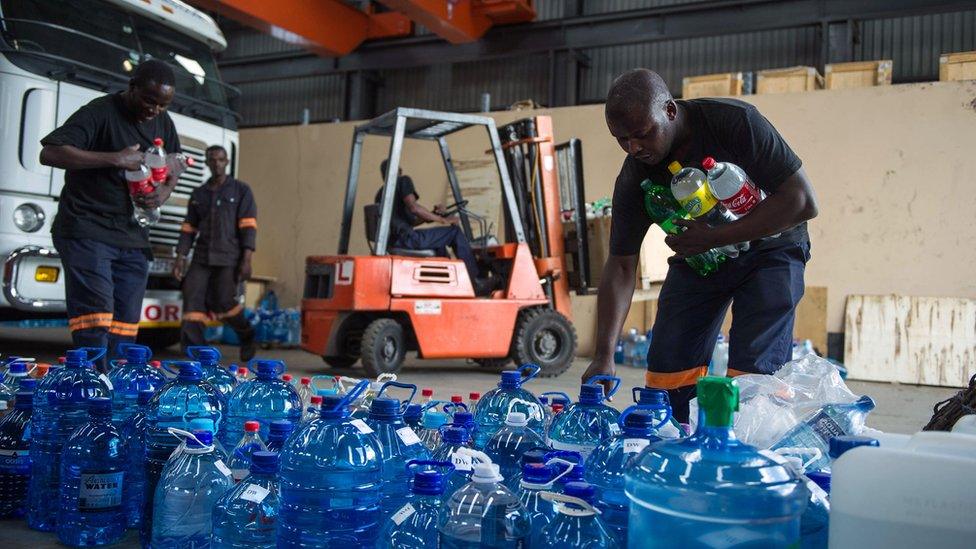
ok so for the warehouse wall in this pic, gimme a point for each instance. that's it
(890, 167)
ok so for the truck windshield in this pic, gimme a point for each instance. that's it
(95, 43)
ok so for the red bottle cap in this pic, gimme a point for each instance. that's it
(190, 161)
(427, 391)
(556, 408)
(306, 381)
(286, 377)
(474, 396)
(42, 369)
(457, 399)
(158, 141)
(156, 363)
(252, 426)
(242, 371)
(316, 399)
(61, 360)
(708, 163)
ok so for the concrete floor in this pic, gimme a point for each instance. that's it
(900, 408)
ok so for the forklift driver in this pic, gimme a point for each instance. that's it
(408, 213)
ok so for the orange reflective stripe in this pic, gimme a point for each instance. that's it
(124, 328)
(733, 372)
(247, 223)
(673, 380)
(92, 320)
(195, 317)
(187, 228)
(237, 309)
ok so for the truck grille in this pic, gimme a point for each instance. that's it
(164, 235)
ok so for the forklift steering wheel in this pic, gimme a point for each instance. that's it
(454, 207)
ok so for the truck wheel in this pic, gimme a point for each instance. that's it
(158, 339)
(546, 338)
(383, 347)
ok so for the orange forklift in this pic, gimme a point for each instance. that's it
(374, 308)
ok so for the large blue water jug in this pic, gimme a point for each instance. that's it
(330, 479)
(536, 479)
(263, 399)
(15, 457)
(134, 433)
(455, 449)
(60, 407)
(658, 401)
(194, 479)
(576, 523)
(484, 514)
(509, 396)
(93, 466)
(607, 463)
(414, 525)
(278, 433)
(247, 516)
(711, 489)
(506, 446)
(400, 444)
(218, 376)
(585, 424)
(129, 376)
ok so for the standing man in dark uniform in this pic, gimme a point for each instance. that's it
(763, 284)
(222, 217)
(105, 253)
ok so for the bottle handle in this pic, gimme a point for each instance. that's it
(614, 379)
(167, 364)
(636, 391)
(559, 393)
(570, 465)
(279, 365)
(535, 410)
(533, 371)
(455, 406)
(560, 501)
(193, 350)
(113, 365)
(122, 347)
(320, 392)
(631, 409)
(93, 353)
(401, 385)
(352, 395)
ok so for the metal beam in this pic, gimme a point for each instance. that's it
(706, 18)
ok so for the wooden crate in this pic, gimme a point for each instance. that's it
(712, 85)
(860, 74)
(793, 79)
(957, 66)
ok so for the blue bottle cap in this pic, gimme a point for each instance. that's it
(591, 393)
(428, 483)
(137, 354)
(264, 462)
(821, 479)
(536, 473)
(189, 370)
(99, 407)
(384, 409)
(534, 455)
(544, 400)
(24, 400)
(639, 420)
(207, 355)
(464, 418)
(28, 384)
(18, 368)
(583, 490)
(281, 427)
(332, 407)
(413, 414)
(268, 369)
(455, 435)
(435, 420)
(651, 397)
(204, 437)
(145, 396)
(841, 444)
(75, 357)
(510, 379)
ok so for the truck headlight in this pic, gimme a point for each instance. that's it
(29, 217)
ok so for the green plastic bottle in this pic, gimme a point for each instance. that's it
(664, 210)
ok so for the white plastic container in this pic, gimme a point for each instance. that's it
(919, 495)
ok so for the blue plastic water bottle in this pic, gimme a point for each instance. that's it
(607, 463)
(263, 399)
(815, 431)
(576, 523)
(331, 477)
(134, 433)
(93, 465)
(585, 424)
(186, 403)
(239, 459)
(506, 446)
(60, 407)
(213, 372)
(194, 479)
(414, 525)
(658, 402)
(536, 479)
(509, 396)
(129, 376)
(278, 433)
(16, 374)
(466, 420)
(15, 465)
(400, 444)
(711, 489)
(247, 515)
(485, 514)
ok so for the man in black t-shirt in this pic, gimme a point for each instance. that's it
(763, 284)
(105, 253)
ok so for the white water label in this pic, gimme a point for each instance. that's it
(223, 468)
(403, 514)
(583, 449)
(361, 426)
(254, 493)
(407, 435)
(104, 378)
(99, 491)
(461, 460)
(635, 445)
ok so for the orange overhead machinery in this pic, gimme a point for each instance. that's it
(376, 307)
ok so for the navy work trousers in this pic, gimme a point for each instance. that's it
(438, 239)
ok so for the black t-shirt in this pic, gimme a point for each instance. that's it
(402, 221)
(725, 129)
(95, 203)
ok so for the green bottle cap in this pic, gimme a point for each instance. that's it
(718, 397)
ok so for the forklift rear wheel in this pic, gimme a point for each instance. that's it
(383, 347)
(546, 338)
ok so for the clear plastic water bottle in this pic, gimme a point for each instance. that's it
(278, 433)
(15, 465)
(536, 478)
(816, 430)
(629, 342)
(509, 396)
(60, 407)
(186, 403)
(681, 495)
(400, 444)
(473, 399)
(484, 514)
(719, 365)
(134, 433)
(313, 410)
(619, 354)
(213, 372)
(140, 183)
(130, 376)
(155, 158)
(658, 402)
(585, 424)
(240, 458)
(93, 484)
(246, 517)
(194, 480)
(505, 448)
(331, 477)
(576, 523)
(414, 525)
(606, 466)
(431, 423)
(690, 188)
(264, 399)
(305, 391)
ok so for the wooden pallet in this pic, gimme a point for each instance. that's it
(792, 79)
(957, 66)
(712, 85)
(860, 74)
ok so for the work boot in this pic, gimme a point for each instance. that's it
(248, 346)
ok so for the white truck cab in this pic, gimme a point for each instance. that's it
(57, 55)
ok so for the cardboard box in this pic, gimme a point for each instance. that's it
(792, 79)
(712, 85)
(957, 66)
(861, 74)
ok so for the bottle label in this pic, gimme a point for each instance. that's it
(219, 464)
(159, 174)
(743, 201)
(254, 493)
(15, 462)
(825, 427)
(461, 460)
(635, 445)
(403, 514)
(100, 491)
(407, 435)
(361, 426)
(583, 449)
(699, 202)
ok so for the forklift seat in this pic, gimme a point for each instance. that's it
(371, 215)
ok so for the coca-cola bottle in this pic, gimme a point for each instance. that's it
(141, 183)
(155, 158)
(732, 187)
(690, 187)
